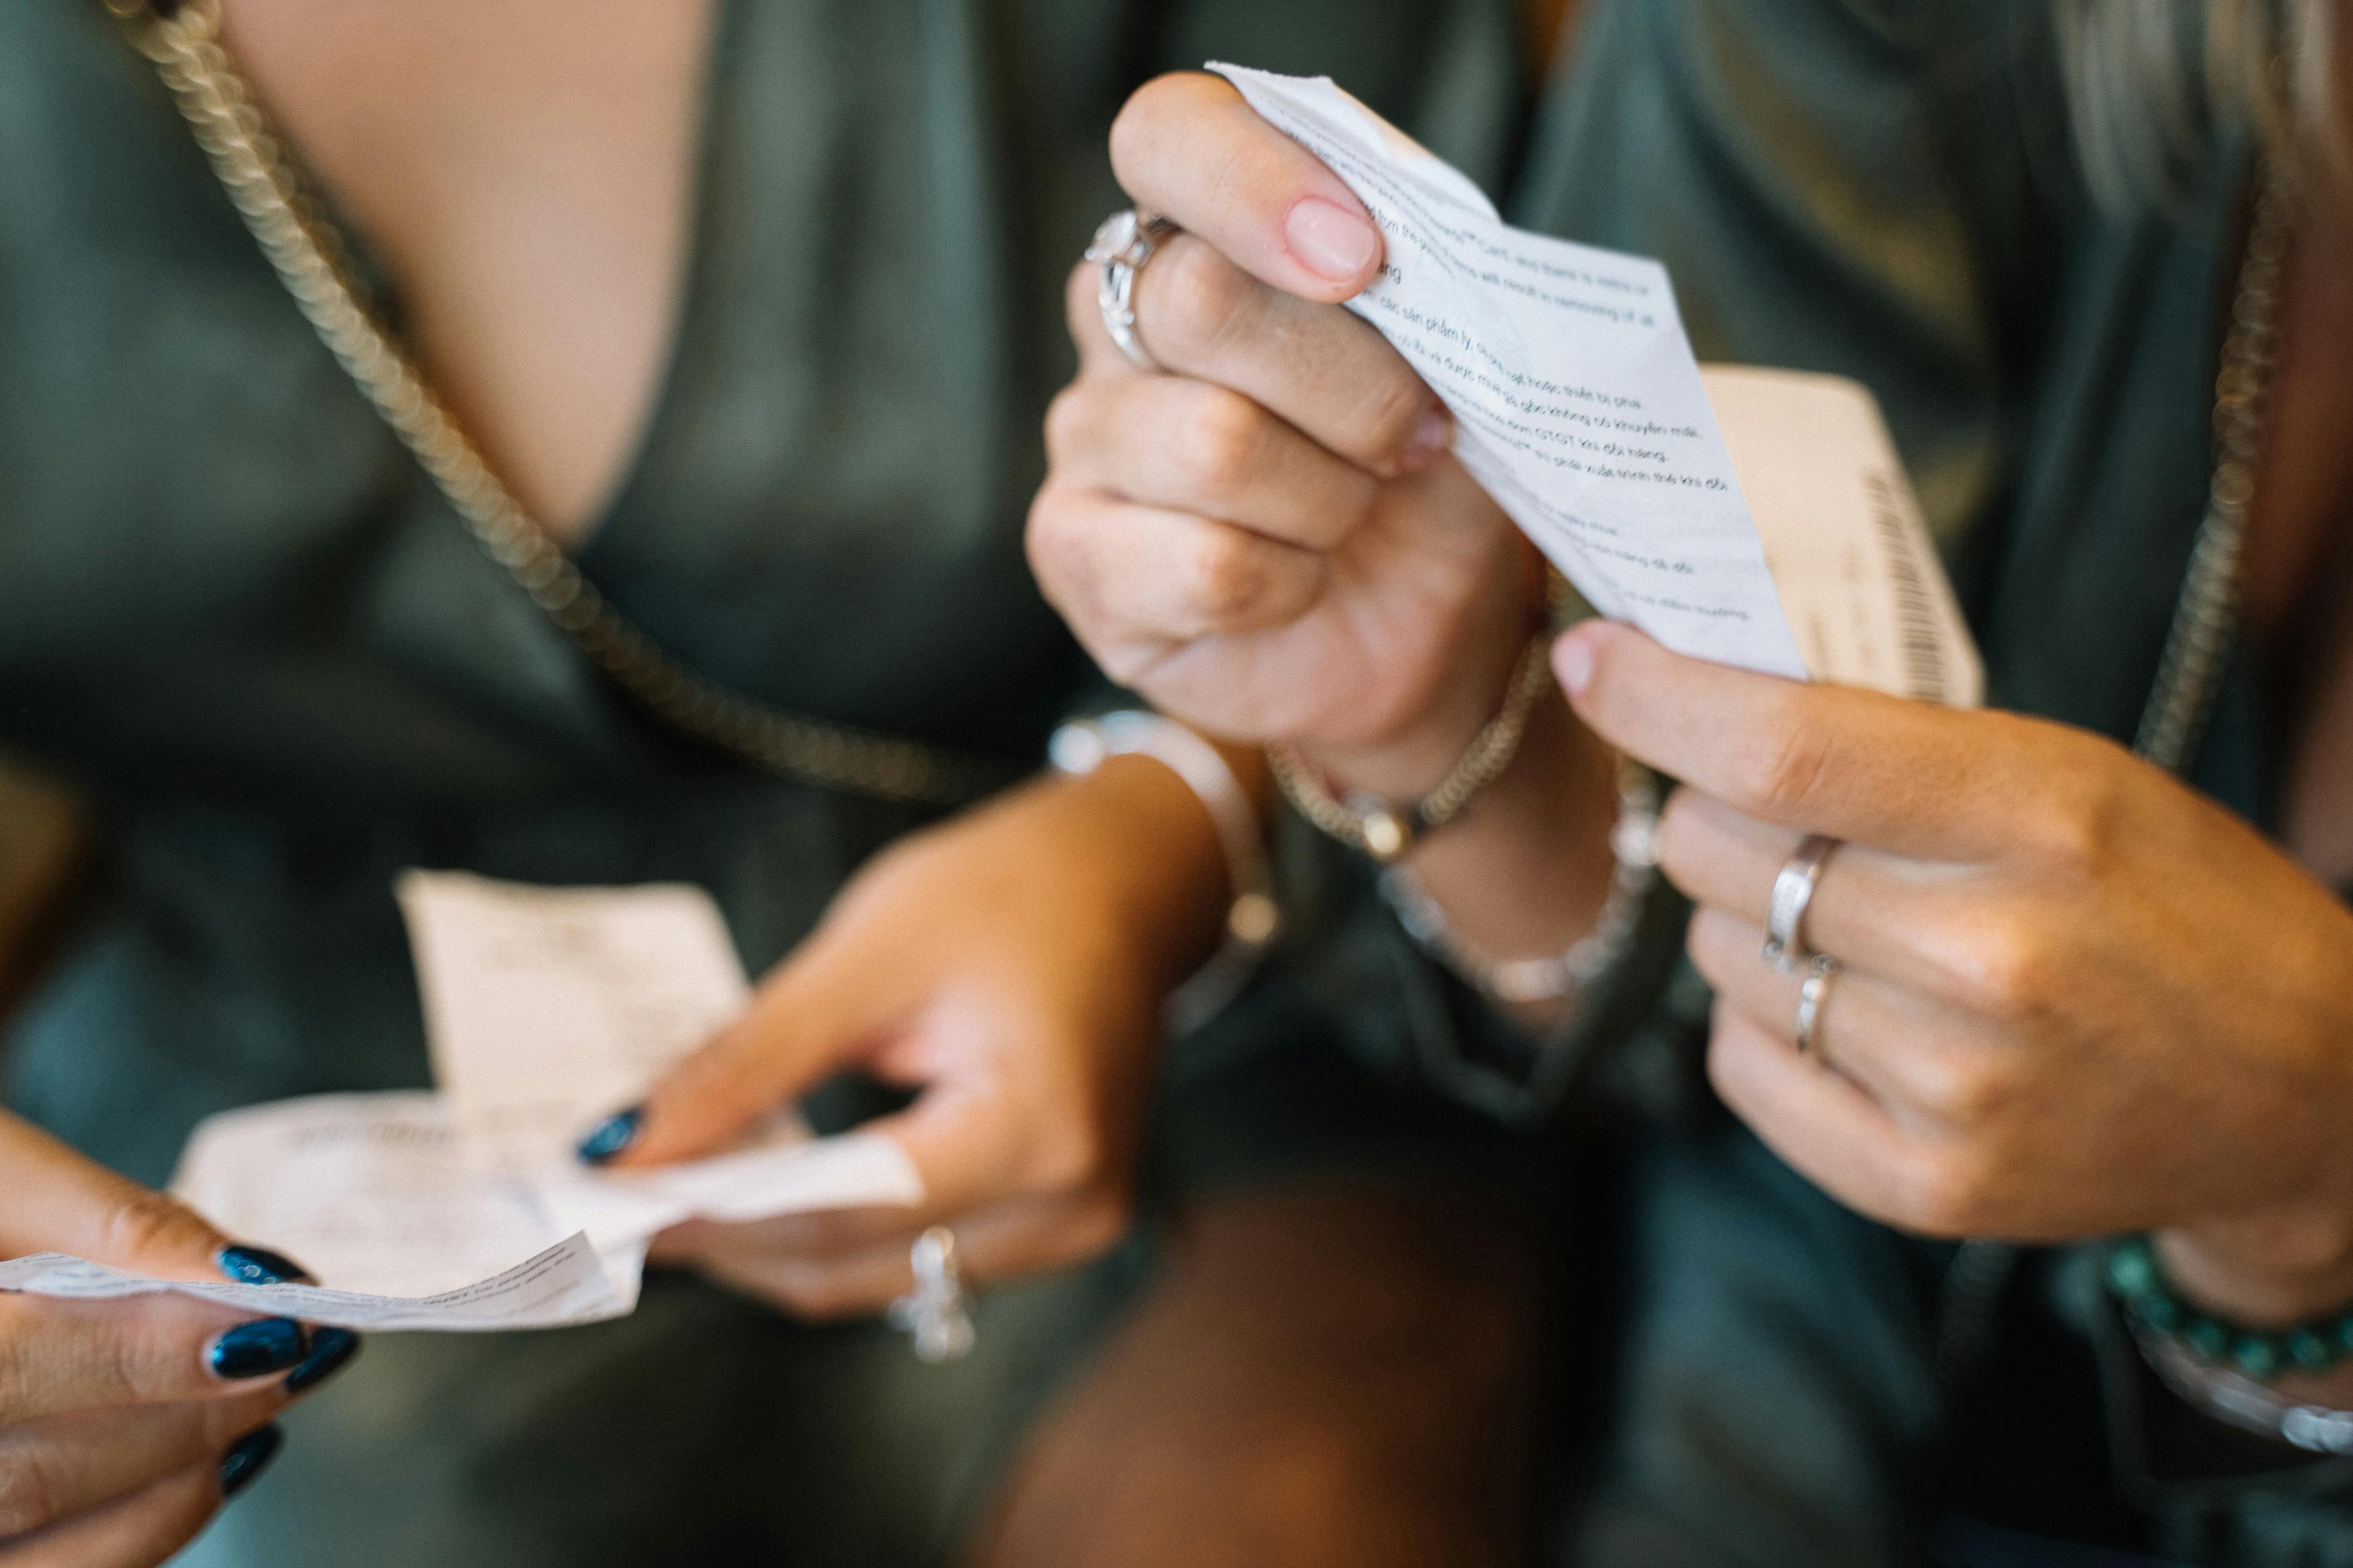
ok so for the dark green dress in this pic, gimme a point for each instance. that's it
(234, 612)
(1887, 189)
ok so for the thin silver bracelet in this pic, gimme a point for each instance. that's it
(1519, 981)
(2243, 1402)
(1254, 918)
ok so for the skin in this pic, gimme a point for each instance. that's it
(2080, 998)
(522, 171)
(113, 1427)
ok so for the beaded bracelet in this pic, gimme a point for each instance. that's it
(2136, 1280)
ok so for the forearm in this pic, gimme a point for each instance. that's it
(1152, 842)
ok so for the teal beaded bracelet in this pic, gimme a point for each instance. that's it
(2138, 1282)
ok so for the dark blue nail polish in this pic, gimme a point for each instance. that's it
(329, 1350)
(260, 1266)
(243, 1464)
(612, 1135)
(262, 1346)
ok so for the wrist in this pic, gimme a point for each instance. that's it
(1409, 761)
(2268, 1270)
(1151, 841)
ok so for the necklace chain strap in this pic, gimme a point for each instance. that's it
(2197, 647)
(2205, 620)
(313, 263)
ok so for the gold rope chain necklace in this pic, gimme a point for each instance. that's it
(313, 262)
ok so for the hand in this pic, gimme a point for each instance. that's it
(1009, 967)
(1269, 541)
(122, 1422)
(2078, 998)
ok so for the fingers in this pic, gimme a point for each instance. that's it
(1186, 146)
(1871, 909)
(60, 1201)
(65, 1467)
(1930, 1067)
(140, 1531)
(1137, 581)
(806, 1021)
(58, 1356)
(1823, 1124)
(1902, 776)
(1192, 447)
(1007, 1241)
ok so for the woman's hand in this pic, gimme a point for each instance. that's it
(123, 1423)
(2078, 998)
(1269, 539)
(1008, 967)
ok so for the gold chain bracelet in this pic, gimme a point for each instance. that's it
(1385, 830)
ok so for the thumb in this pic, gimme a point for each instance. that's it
(810, 1018)
(1189, 147)
(60, 1201)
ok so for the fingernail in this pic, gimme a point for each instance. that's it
(612, 1135)
(243, 1464)
(1329, 240)
(1431, 437)
(260, 1266)
(264, 1346)
(331, 1351)
(1572, 661)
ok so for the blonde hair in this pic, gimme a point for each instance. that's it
(2149, 83)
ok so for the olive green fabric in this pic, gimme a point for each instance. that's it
(235, 613)
(1886, 189)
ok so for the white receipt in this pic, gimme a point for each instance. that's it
(563, 1285)
(1576, 399)
(463, 1208)
(547, 1009)
(374, 1195)
(1860, 579)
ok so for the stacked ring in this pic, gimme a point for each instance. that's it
(1124, 243)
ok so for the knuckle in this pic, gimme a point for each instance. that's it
(1057, 551)
(1965, 1088)
(1781, 768)
(1224, 579)
(1135, 132)
(29, 1498)
(1221, 440)
(2009, 971)
(1944, 1192)
(143, 1220)
(1069, 423)
(1194, 303)
(2078, 827)
(1392, 411)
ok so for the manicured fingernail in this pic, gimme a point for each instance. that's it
(262, 1346)
(243, 1464)
(1329, 240)
(612, 1135)
(260, 1266)
(1572, 661)
(1430, 437)
(331, 1351)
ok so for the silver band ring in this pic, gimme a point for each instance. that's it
(937, 1312)
(1122, 245)
(1785, 914)
(1810, 996)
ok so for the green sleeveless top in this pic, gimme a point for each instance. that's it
(234, 610)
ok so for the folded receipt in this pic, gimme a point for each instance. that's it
(1579, 407)
(461, 1208)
